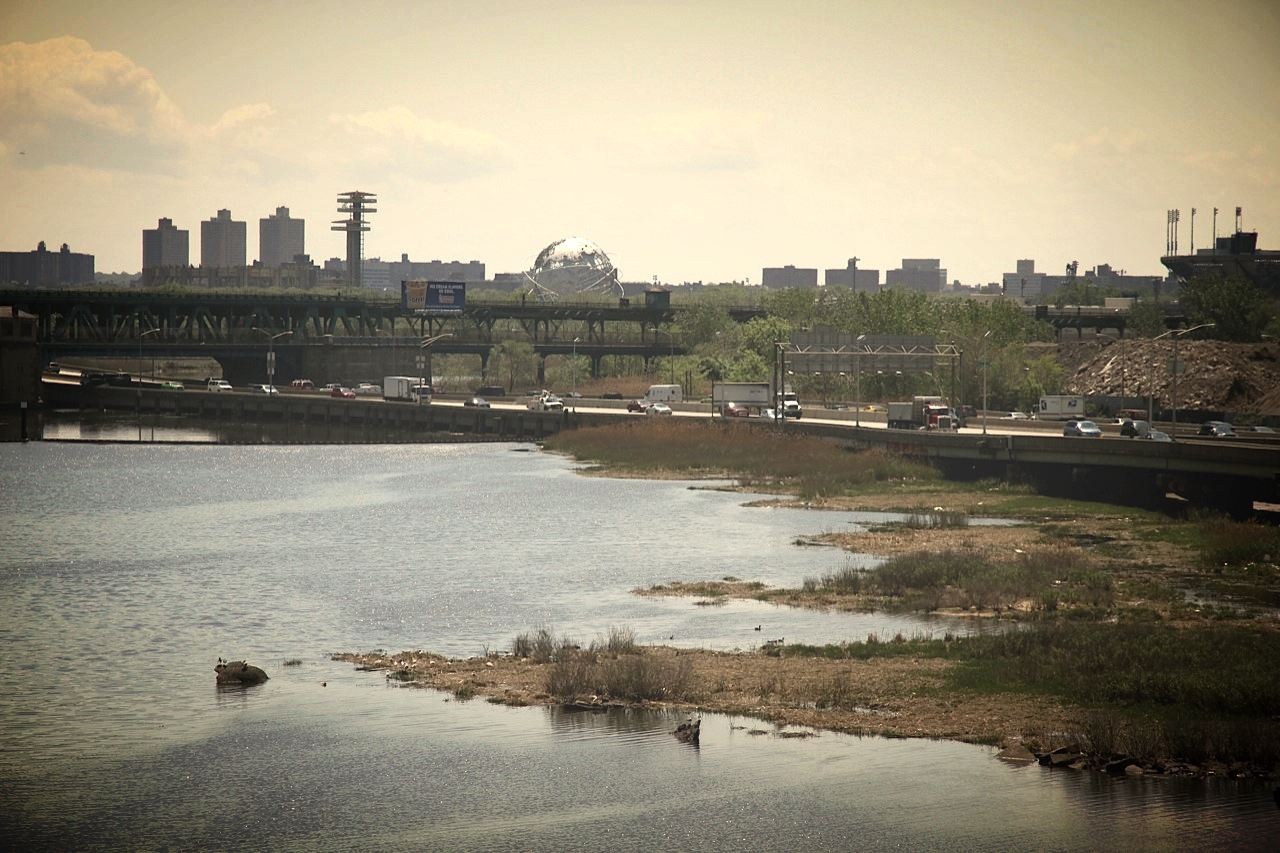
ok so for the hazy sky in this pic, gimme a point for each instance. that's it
(693, 140)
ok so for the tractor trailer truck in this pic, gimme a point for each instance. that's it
(921, 413)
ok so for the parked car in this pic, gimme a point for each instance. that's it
(1086, 429)
(1134, 429)
(1157, 435)
(173, 386)
(269, 390)
(343, 393)
(477, 402)
(1217, 429)
(735, 410)
(638, 406)
(219, 385)
(658, 409)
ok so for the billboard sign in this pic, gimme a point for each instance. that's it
(433, 297)
(746, 393)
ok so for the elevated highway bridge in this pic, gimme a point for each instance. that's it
(1234, 476)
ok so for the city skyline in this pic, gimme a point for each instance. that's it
(698, 141)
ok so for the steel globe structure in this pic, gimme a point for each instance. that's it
(572, 266)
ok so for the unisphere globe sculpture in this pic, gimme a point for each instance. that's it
(572, 266)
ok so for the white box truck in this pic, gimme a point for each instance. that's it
(664, 394)
(402, 388)
(1060, 408)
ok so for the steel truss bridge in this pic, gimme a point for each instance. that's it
(236, 328)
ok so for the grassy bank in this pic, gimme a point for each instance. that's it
(810, 468)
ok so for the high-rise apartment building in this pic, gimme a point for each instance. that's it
(165, 246)
(281, 238)
(222, 241)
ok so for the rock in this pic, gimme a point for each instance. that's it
(1115, 768)
(688, 732)
(1017, 752)
(239, 672)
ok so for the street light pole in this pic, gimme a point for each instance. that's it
(424, 360)
(574, 397)
(271, 355)
(138, 379)
(984, 381)
(857, 403)
(1173, 394)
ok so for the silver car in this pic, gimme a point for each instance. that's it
(1086, 429)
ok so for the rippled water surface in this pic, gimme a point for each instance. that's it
(129, 569)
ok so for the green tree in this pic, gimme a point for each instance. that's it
(1146, 319)
(1238, 310)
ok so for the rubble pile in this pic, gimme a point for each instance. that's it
(1217, 376)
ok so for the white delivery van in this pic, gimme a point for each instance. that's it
(664, 394)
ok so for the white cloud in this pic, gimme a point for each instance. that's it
(399, 140)
(61, 101)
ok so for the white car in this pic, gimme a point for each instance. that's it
(658, 409)
(269, 390)
(367, 389)
(219, 385)
(768, 415)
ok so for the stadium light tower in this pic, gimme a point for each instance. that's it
(355, 204)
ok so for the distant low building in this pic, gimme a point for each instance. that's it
(790, 276)
(42, 268)
(923, 274)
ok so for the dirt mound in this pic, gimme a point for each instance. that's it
(1217, 376)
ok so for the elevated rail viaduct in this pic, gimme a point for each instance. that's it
(329, 338)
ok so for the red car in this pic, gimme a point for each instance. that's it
(638, 406)
(343, 393)
(735, 410)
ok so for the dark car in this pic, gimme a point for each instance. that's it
(477, 402)
(735, 410)
(1216, 429)
(343, 393)
(638, 406)
(1134, 429)
(491, 391)
(92, 380)
(1084, 429)
(119, 379)
(611, 395)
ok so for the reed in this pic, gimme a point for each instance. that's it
(809, 467)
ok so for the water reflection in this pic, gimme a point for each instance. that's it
(129, 569)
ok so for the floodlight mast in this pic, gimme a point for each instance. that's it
(356, 204)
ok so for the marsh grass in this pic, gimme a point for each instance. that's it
(809, 467)
(542, 646)
(1222, 541)
(1049, 577)
(612, 667)
(1220, 670)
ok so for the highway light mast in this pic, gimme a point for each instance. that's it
(355, 204)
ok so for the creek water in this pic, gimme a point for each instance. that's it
(128, 569)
